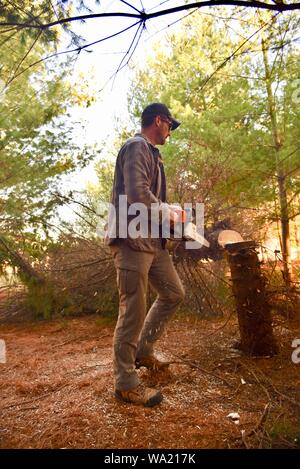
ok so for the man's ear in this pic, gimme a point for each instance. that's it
(157, 120)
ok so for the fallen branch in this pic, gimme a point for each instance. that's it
(259, 382)
(83, 369)
(194, 365)
(284, 396)
(82, 337)
(16, 404)
(261, 421)
(279, 393)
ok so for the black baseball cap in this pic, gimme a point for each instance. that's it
(159, 109)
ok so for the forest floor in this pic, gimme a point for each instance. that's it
(57, 389)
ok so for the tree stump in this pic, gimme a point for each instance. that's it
(253, 309)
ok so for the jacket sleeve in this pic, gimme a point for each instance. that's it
(137, 172)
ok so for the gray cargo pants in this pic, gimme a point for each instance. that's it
(136, 332)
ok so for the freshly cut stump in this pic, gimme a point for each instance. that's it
(253, 309)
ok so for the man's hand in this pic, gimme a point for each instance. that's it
(176, 214)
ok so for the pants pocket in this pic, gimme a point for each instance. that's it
(127, 280)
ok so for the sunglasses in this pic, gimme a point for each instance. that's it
(168, 122)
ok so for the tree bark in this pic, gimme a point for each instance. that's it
(253, 309)
(281, 176)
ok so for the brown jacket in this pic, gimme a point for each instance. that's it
(139, 174)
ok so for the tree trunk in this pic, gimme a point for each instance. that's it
(254, 312)
(22, 264)
(281, 176)
(42, 296)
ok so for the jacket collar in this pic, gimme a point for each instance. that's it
(154, 150)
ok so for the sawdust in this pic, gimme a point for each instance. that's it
(57, 389)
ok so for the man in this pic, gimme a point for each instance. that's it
(139, 175)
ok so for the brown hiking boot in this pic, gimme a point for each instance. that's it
(151, 363)
(147, 397)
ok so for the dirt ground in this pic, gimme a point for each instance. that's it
(57, 389)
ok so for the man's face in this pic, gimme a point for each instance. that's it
(163, 126)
